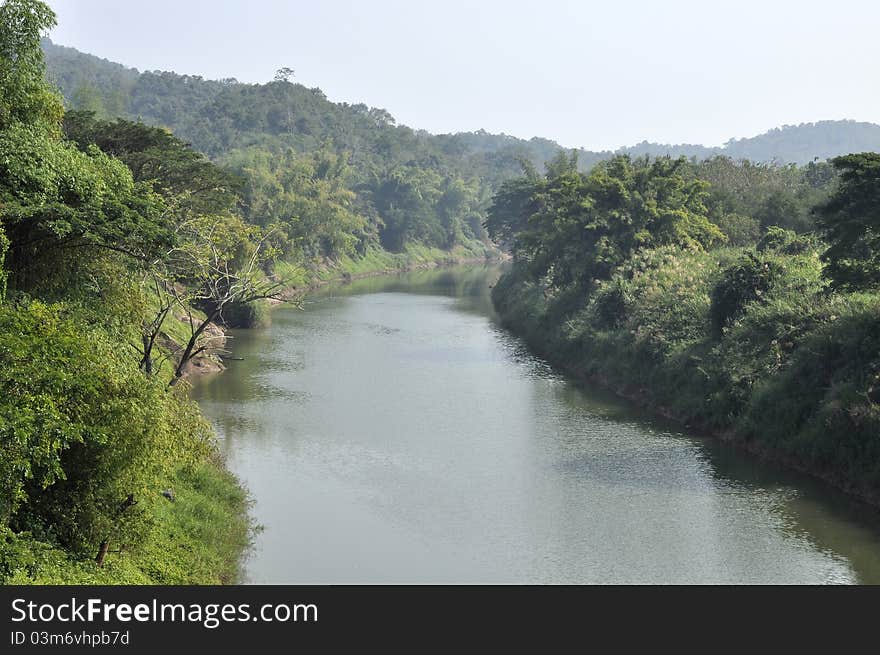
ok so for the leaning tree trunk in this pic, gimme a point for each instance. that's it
(190, 350)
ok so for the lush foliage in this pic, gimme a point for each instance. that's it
(90, 227)
(749, 341)
(572, 227)
(850, 221)
(745, 282)
(83, 430)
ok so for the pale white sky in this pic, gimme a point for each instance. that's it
(592, 74)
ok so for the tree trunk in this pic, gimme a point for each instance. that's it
(190, 347)
(147, 360)
(104, 548)
(102, 552)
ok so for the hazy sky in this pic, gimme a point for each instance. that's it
(592, 74)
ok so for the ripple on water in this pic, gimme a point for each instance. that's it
(395, 437)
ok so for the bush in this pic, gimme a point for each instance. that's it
(824, 407)
(610, 303)
(660, 297)
(247, 315)
(777, 239)
(743, 283)
(197, 539)
(85, 438)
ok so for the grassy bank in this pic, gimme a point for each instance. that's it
(750, 345)
(198, 538)
(377, 261)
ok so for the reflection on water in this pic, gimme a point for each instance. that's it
(391, 432)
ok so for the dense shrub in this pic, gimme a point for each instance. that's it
(796, 369)
(246, 315)
(197, 539)
(740, 230)
(85, 438)
(744, 282)
(777, 239)
(824, 406)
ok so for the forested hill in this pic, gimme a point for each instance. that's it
(217, 116)
(366, 180)
(220, 115)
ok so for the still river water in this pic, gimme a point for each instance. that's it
(391, 432)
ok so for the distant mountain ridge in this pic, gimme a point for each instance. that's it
(798, 144)
(220, 115)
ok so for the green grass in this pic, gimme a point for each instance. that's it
(300, 275)
(199, 538)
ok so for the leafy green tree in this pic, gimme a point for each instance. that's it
(88, 99)
(850, 223)
(58, 203)
(743, 192)
(154, 155)
(305, 198)
(25, 97)
(577, 228)
(783, 209)
(740, 230)
(406, 198)
(746, 281)
(85, 439)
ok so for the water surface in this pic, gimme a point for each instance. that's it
(391, 432)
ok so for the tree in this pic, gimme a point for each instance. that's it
(85, 438)
(154, 155)
(573, 228)
(306, 199)
(850, 223)
(58, 204)
(221, 261)
(511, 207)
(283, 74)
(25, 97)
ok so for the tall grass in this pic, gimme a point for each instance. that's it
(198, 538)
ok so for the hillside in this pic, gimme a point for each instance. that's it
(220, 115)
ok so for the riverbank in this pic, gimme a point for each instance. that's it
(377, 262)
(123, 481)
(792, 380)
(198, 538)
(201, 535)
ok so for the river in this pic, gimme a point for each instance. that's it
(390, 431)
